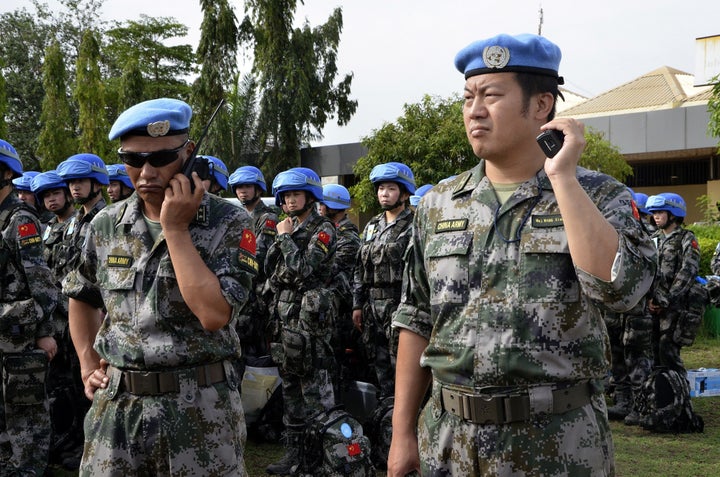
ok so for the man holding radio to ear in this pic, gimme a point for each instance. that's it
(174, 268)
(508, 266)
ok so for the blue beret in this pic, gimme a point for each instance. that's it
(155, 118)
(524, 53)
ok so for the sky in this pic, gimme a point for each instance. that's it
(401, 50)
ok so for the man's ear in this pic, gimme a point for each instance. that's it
(544, 103)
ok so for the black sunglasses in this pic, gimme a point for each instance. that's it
(155, 158)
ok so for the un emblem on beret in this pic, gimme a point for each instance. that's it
(496, 56)
(158, 128)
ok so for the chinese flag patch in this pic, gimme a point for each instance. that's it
(269, 223)
(694, 244)
(248, 242)
(27, 230)
(324, 238)
(354, 449)
(636, 214)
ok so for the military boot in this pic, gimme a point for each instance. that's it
(622, 407)
(289, 462)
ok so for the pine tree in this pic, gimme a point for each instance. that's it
(57, 135)
(89, 94)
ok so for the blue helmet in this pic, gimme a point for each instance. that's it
(394, 172)
(297, 178)
(10, 157)
(422, 190)
(336, 196)
(248, 175)
(23, 182)
(668, 202)
(47, 181)
(117, 172)
(84, 166)
(415, 200)
(218, 170)
(641, 202)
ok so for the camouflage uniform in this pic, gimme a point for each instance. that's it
(376, 290)
(494, 290)
(299, 267)
(28, 296)
(343, 271)
(715, 261)
(75, 232)
(195, 430)
(675, 326)
(253, 321)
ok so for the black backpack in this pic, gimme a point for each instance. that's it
(334, 445)
(664, 404)
(378, 428)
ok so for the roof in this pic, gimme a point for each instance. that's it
(662, 88)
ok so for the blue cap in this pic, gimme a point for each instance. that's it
(25, 180)
(46, 181)
(524, 53)
(154, 118)
(84, 166)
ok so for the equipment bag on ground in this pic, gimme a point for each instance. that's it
(664, 404)
(334, 445)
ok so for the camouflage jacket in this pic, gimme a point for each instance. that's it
(678, 265)
(264, 225)
(75, 232)
(148, 326)
(379, 261)
(53, 239)
(28, 294)
(348, 244)
(303, 259)
(494, 289)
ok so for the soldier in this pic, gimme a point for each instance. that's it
(120, 187)
(336, 202)
(67, 399)
(677, 314)
(645, 216)
(23, 187)
(217, 183)
(85, 175)
(501, 308)
(299, 268)
(419, 193)
(248, 185)
(27, 299)
(174, 268)
(379, 268)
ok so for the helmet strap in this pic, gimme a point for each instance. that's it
(394, 206)
(90, 196)
(252, 201)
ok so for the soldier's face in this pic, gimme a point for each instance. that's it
(295, 199)
(150, 182)
(114, 190)
(27, 197)
(80, 188)
(495, 124)
(388, 193)
(661, 218)
(245, 191)
(54, 199)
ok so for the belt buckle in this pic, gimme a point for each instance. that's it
(483, 408)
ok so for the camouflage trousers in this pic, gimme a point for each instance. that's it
(24, 420)
(306, 395)
(577, 442)
(631, 349)
(666, 350)
(380, 342)
(198, 431)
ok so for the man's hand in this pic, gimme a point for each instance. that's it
(94, 379)
(180, 205)
(567, 159)
(49, 345)
(357, 319)
(285, 226)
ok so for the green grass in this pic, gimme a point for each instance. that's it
(638, 453)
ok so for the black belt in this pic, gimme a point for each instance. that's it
(513, 407)
(150, 383)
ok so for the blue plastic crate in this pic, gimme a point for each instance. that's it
(704, 382)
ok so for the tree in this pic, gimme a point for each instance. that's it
(714, 110)
(217, 53)
(3, 105)
(57, 136)
(242, 110)
(296, 70)
(132, 86)
(164, 67)
(430, 138)
(89, 94)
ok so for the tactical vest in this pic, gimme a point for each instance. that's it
(386, 270)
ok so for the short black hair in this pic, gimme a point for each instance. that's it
(532, 84)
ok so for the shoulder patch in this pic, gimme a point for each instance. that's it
(247, 250)
(248, 242)
(27, 229)
(694, 244)
(324, 238)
